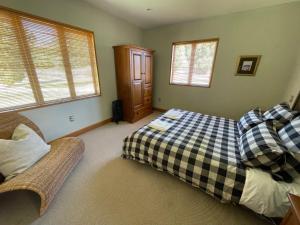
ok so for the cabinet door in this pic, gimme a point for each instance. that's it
(136, 65)
(137, 94)
(148, 68)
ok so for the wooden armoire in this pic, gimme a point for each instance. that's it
(134, 71)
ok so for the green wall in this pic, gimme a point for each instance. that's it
(271, 32)
(109, 31)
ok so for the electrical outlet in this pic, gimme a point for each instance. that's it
(71, 118)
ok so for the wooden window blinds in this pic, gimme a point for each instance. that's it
(193, 62)
(44, 62)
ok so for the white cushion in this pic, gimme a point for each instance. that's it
(20, 153)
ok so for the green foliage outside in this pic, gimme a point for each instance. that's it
(45, 55)
(203, 59)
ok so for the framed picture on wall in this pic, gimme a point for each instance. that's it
(247, 65)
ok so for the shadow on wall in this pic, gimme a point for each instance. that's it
(293, 88)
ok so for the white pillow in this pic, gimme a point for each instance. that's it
(20, 153)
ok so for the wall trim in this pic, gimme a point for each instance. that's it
(96, 125)
(88, 128)
(159, 109)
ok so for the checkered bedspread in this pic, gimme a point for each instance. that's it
(199, 149)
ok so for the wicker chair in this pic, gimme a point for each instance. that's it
(48, 174)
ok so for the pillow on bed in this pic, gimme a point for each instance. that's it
(290, 135)
(280, 114)
(289, 169)
(261, 147)
(249, 120)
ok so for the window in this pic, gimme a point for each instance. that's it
(193, 62)
(44, 62)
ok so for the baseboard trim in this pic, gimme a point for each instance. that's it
(159, 109)
(88, 128)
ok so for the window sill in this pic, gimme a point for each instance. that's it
(50, 103)
(190, 85)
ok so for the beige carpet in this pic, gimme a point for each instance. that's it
(105, 189)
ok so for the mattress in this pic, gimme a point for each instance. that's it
(201, 150)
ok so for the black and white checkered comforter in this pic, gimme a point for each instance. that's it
(199, 149)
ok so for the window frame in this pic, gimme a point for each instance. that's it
(37, 104)
(194, 42)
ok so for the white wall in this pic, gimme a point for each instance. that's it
(109, 31)
(271, 32)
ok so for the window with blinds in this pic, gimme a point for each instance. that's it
(193, 62)
(44, 62)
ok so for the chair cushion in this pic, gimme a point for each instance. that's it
(249, 120)
(20, 153)
(261, 147)
(10, 120)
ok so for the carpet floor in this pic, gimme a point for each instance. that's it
(107, 190)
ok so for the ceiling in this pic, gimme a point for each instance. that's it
(164, 12)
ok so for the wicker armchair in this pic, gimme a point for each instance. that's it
(48, 174)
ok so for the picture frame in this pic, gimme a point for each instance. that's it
(247, 65)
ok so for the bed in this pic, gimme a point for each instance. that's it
(203, 151)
